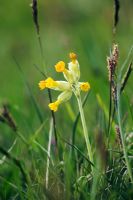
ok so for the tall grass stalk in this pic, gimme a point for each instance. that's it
(34, 6)
(85, 129)
(110, 113)
(49, 148)
(119, 116)
(121, 133)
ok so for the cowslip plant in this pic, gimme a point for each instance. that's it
(72, 85)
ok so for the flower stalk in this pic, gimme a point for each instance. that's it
(85, 129)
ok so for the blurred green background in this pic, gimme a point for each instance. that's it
(82, 26)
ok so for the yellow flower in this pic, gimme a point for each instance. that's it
(60, 66)
(50, 83)
(68, 87)
(55, 85)
(73, 57)
(42, 85)
(54, 106)
(63, 97)
(85, 86)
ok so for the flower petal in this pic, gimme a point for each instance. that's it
(54, 106)
(73, 56)
(84, 86)
(42, 85)
(50, 82)
(60, 66)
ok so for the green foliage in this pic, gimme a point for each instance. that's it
(86, 28)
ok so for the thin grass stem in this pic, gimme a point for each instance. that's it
(110, 112)
(119, 114)
(49, 149)
(52, 113)
(120, 128)
(22, 137)
(119, 118)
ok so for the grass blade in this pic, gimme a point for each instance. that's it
(39, 114)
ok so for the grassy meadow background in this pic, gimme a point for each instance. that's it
(82, 26)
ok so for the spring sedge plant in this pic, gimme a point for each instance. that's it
(115, 90)
(72, 85)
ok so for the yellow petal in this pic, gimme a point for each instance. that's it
(72, 56)
(54, 106)
(85, 86)
(63, 97)
(42, 85)
(50, 83)
(60, 66)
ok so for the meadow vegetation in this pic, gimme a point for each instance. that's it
(78, 145)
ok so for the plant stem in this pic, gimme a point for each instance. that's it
(49, 148)
(121, 132)
(22, 137)
(110, 113)
(85, 129)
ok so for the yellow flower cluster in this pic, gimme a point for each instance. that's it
(71, 85)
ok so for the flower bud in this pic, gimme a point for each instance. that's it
(75, 70)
